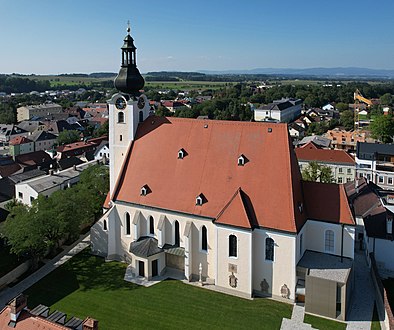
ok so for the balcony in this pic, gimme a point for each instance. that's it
(384, 166)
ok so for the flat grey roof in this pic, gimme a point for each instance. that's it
(46, 182)
(326, 266)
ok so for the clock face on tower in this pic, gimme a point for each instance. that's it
(120, 103)
(141, 102)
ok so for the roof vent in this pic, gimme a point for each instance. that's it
(269, 130)
(300, 207)
(206, 126)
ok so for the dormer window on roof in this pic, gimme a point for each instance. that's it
(144, 190)
(241, 160)
(199, 200)
(181, 153)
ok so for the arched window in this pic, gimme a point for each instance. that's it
(204, 239)
(105, 224)
(151, 225)
(329, 241)
(128, 224)
(232, 246)
(120, 117)
(141, 116)
(177, 236)
(269, 249)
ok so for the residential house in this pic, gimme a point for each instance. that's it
(284, 111)
(375, 162)
(8, 132)
(346, 140)
(296, 131)
(80, 148)
(317, 140)
(37, 159)
(42, 110)
(32, 126)
(27, 191)
(43, 140)
(8, 166)
(373, 211)
(16, 315)
(173, 105)
(20, 145)
(102, 151)
(342, 165)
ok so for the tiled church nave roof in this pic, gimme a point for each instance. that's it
(269, 179)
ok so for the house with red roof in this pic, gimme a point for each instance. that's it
(222, 202)
(342, 165)
(20, 145)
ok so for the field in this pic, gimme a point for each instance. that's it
(87, 285)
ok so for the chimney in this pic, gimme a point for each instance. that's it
(16, 305)
(389, 224)
(356, 185)
(90, 324)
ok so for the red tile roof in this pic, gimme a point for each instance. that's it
(327, 202)
(26, 321)
(310, 152)
(19, 140)
(270, 179)
(235, 209)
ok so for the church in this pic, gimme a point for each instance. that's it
(223, 200)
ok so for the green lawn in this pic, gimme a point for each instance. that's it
(8, 261)
(375, 325)
(86, 285)
(323, 324)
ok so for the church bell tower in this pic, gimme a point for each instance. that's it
(127, 109)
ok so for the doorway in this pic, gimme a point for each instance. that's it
(155, 268)
(141, 268)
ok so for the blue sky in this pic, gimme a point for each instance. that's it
(64, 36)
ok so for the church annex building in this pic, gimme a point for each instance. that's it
(225, 195)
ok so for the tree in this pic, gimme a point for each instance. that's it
(386, 99)
(342, 106)
(382, 128)
(67, 137)
(317, 172)
(102, 130)
(23, 235)
(347, 119)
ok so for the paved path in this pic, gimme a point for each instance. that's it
(7, 294)
(361, 309)
(297, 320)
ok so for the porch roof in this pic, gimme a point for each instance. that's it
(145, 247)
(326, 266)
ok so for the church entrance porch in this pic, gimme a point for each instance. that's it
(150, 263)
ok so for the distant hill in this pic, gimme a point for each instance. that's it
(321, 72)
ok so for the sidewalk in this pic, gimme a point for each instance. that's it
(297, 320)
(363, 300)
(8, 293)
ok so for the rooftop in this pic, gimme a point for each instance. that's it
(326, 266)
(310, 152)
(210, 167)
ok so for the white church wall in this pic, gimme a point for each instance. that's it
(241, 265)
(315, 237)
(207, 259)
(280, 271)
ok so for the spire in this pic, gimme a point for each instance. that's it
(129, 79)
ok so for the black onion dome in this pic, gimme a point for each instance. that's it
(129, 79)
